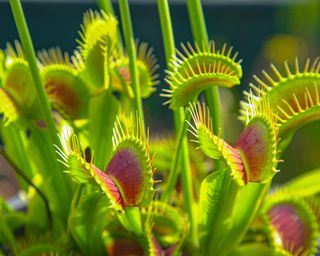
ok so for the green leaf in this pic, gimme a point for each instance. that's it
(304, 185)
(57, 184)
(218, 194)
(87, 222)
(102, 114)
(168, 224)
(15, 143)
(2, 66)
(6, 232)
(36, 218)
(41, 249)
(8, 108)
(254, 249)
(246, 207)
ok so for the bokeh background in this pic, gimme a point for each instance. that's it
(263, 31)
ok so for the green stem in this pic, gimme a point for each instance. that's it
(213, 101)
(181, 152)
(134, 218)
(245, 209)
(222, 216)
(134, 214)
(131, 51)
(173, 175)
(8, 237)
(200, 35)
(60, 187)
(106, 6)
(31, 58)
(131, 220)
(198, 25)
(166, 26)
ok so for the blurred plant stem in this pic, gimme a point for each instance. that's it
(32, 61)
(61, 194)
(106, 6)
(181, 152)
(132, 55)
(134, 214)
(200, 35)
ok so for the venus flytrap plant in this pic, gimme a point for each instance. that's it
(112, 204)
(294, 97)
(127, 179)
(257, 144)
(251, 160)
(285, 105)
(189, 75)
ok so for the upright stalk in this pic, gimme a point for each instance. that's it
(173, 175)
(200, 35)
(106, 6)
(245, 209)
(131, 52)
(60, 192)
(32, 61)
(182, 152)
(133, 214)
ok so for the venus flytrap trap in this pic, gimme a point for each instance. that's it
(97, 30)
(147, 67)
(99, 193)
(214, 146)
(291, 225)
(18, 89)
(127, 179)
(294, 97)
(64, 86)
(198, 69)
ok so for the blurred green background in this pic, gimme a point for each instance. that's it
(263, 31)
